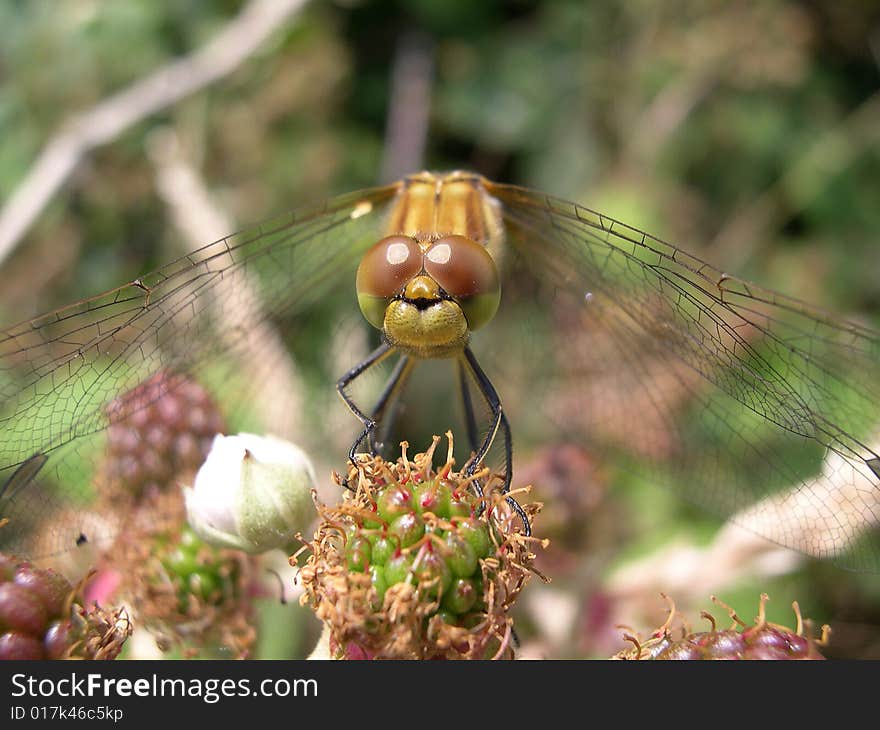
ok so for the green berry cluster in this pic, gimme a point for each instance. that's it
(414, 564)
(199, 572)
(427, 533)
(188, 594)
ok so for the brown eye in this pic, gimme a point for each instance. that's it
(388, 265)
(465, 269)
(383, 270)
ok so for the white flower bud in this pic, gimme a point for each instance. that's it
(252, 493)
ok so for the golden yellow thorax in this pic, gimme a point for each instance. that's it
(430, 205)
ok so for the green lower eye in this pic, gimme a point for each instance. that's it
(479, 309)
(373, 309)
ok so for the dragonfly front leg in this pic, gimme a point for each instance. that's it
(377, 417)
(470, 419)
(468, 406)
(499, 422)
(392, 390)
(374, 358)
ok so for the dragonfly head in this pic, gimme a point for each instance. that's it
(427, 297)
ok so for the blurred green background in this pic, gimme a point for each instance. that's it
(748, 133)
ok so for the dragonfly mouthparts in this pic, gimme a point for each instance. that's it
(423, 304)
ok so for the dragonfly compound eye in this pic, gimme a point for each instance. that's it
(466, 271)
(383, 272)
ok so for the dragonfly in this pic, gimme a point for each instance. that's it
(567, 325)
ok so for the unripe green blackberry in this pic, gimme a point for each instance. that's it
(40, 618)
(462, 556)
(409, 528)
(476, 533)
(439, 496)
(187, 593)
(384, 547)
(460, 597)
(432, 575)
(394, 501)
(379, 583)
(399, 567)
(761, 640)
(160, 432)
(199, 572)
(359, 552)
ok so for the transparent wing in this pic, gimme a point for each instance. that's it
(745, 401)
(227, 316)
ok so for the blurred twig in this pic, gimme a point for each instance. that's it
(666, 114)
(238, 40)
(409, 106)
(278, 397)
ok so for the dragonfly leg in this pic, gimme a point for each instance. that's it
(374, 358)
(469, 418)
(499, 422)
(382, 413)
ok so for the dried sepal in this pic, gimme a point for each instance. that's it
(97, 633)
(741, 640)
